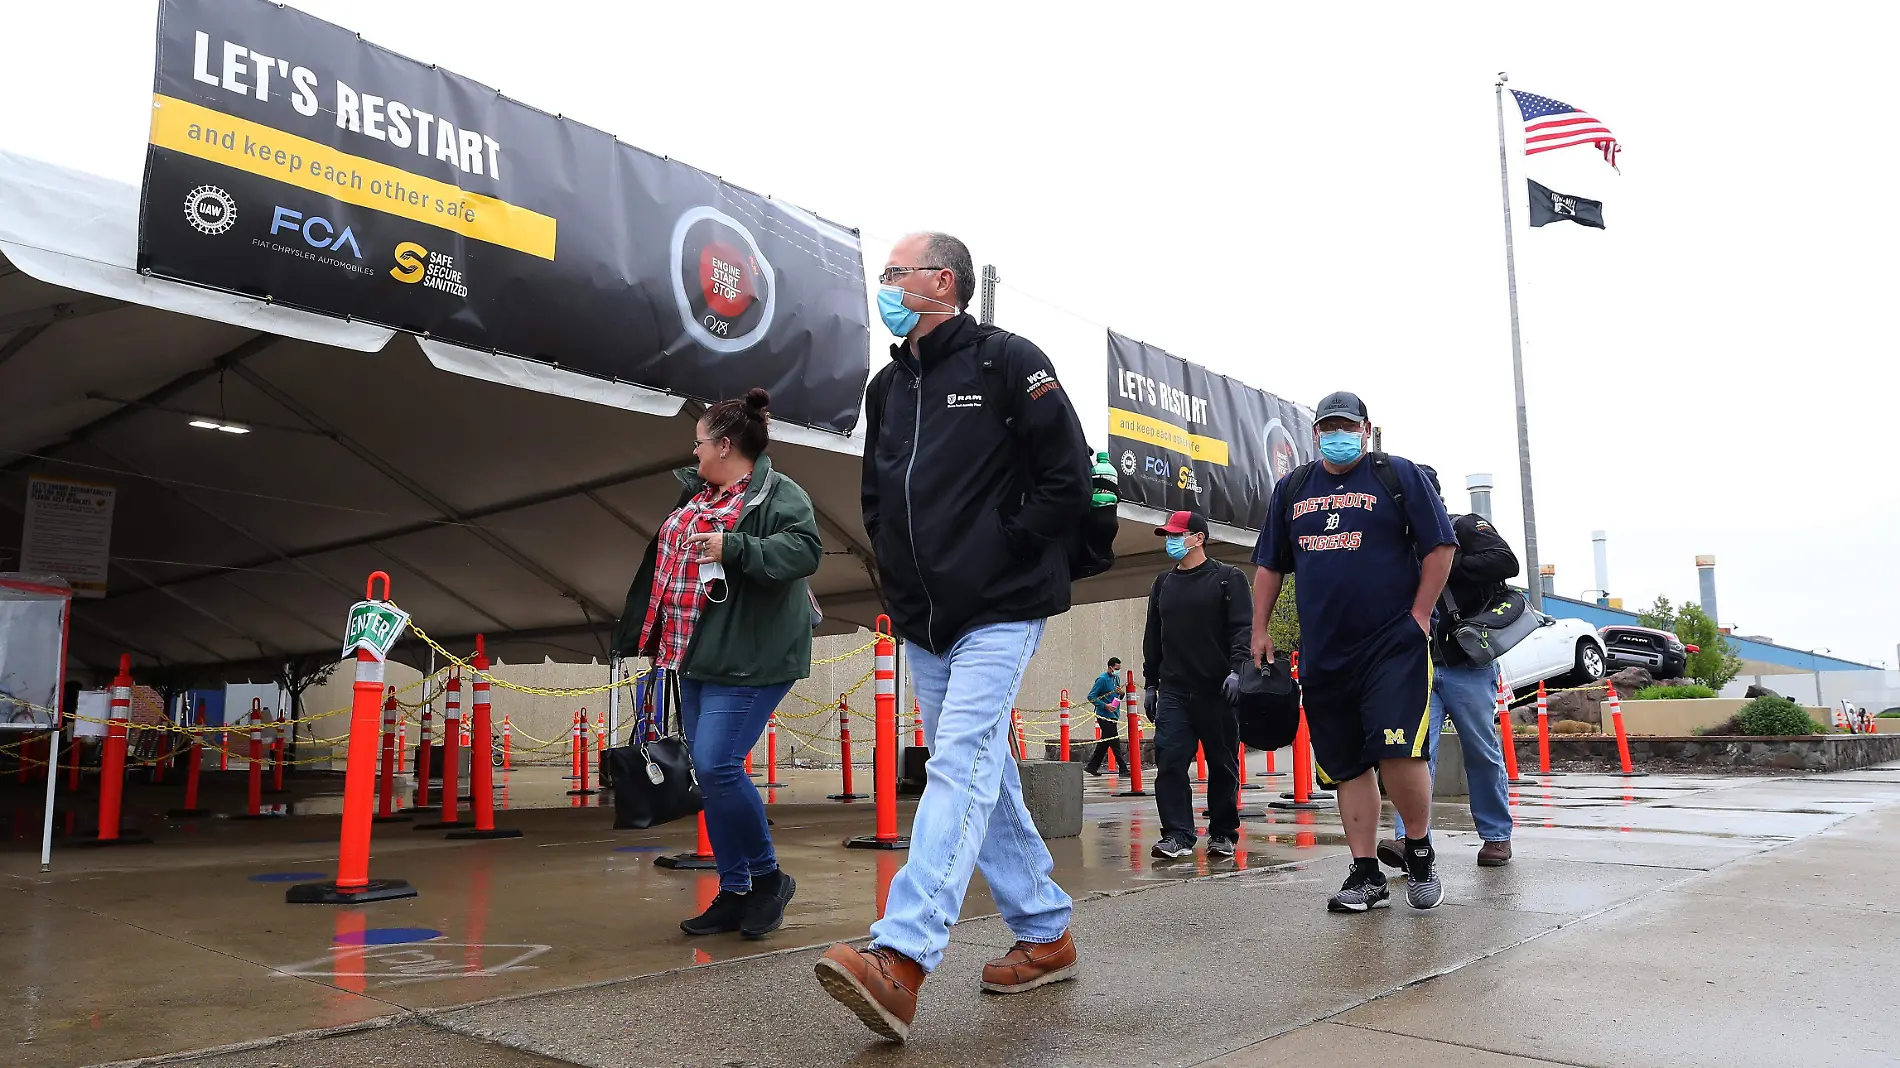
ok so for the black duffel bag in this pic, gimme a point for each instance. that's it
(1269, 706)
(653, 781)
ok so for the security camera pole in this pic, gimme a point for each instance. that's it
(1517, 367)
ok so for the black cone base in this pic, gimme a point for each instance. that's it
(394, 817)
(497, 832)
(1131, 793)
(328, 894)
(846, 797)
(443, 825)
(773, 785)
(1299, 805)
(872, 841)
(1252, 785)
(1631, 774)
(685, 862)
(582, 793)
(1521, 782)
(125, 838)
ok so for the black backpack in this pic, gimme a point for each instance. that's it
(1091, 544)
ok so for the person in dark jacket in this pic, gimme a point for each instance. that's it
(1200, 620)
(721, 598)
(1105, 696)
(1468, 692)
(975, 473)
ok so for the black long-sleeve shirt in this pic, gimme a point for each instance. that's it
(1484, 560)
(1200, 621)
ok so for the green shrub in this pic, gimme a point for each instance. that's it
(1775, 715)
(1672, 693)
(1891, 713)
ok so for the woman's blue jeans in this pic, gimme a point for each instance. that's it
(722, 724)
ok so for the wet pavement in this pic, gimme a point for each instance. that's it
(1667, 920)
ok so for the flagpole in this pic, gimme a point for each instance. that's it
(1535, 580)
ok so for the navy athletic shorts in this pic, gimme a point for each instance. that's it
(1376, 708)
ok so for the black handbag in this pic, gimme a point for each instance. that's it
(1268, 709)
(1505, 620)
(653, 779)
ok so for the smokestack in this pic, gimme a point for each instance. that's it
(1479, 486)
(1547, 576)
(1600, 543)
(1705, 577)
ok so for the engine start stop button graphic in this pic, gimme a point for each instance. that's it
(725, 288)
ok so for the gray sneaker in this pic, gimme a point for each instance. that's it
(1361, 892)
(1217, 846)
(1422, 888)
(1170, 849)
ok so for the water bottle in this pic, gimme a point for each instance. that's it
(1105, 481)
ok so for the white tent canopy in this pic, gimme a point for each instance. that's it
(502, 496)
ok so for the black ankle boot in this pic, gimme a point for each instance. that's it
(725, 913)
(765, 905)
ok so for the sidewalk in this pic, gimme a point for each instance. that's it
(1719, 922)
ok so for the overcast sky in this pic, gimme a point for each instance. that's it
(1308, 201)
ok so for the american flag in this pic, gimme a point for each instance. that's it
(1552, 124)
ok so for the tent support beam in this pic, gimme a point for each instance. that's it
(54, 313)
(419, 491)
(395, 533)
(444, 589)
(231, 358)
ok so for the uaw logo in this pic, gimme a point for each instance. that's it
(433, 270)
(210, 210)
(1185, 479)
(724, 288)
(1128, 461)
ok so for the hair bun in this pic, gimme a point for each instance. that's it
(758, 399)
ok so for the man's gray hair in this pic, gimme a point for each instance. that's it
(946, 252)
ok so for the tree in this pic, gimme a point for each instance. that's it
(1659, 616)
(1715, 663)
(297, 674)
(1284, 624)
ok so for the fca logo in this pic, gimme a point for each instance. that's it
(1395, 737)
(317, 231)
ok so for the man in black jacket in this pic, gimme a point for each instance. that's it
(1200, 618)
(975, 473)
(1468, 692)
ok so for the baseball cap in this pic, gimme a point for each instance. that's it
(1184, 523)
(1341, 405)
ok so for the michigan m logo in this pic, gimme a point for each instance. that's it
(1395, 737)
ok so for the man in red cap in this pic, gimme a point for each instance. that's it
(1200, 620)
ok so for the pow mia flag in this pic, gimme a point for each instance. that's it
(1550, 207)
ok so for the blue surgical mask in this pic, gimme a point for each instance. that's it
(1177, 546)
(898, 319)
(1341, 446)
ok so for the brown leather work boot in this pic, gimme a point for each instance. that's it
(1029, 965)
(1494, 854)
(878, 985)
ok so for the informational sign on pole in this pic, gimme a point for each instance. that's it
(68, 532)
(1185, 437)
(373, 626)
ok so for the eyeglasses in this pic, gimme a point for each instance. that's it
(697, 442)
(892, 274)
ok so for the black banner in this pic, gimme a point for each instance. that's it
(294, 161)
(1185, 437)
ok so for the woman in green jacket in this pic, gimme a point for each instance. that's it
(721, 599)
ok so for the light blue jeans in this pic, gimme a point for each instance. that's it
(971, 814)
(1470, 696)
